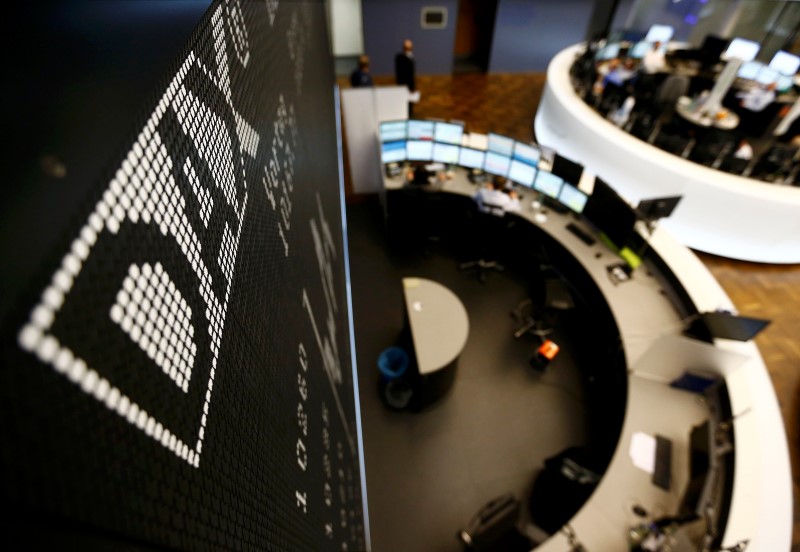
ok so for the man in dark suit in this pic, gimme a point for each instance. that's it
(404, 70)
(361, 76)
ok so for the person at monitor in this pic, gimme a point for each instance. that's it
(418, 174)
(361, 76)
(494, 201)
(654, 61)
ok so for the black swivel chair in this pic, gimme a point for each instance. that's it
(494, 528)
(489, 229)
(536, 315)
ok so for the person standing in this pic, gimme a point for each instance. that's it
(361, 77)
(404, 70)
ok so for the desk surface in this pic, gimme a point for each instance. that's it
(439, 323)
(682, 107)
(761, 506)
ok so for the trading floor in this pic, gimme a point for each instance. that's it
(508, 103)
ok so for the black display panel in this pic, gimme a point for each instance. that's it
(177, 368)
(610, 213)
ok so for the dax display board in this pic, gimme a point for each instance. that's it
(177, 369)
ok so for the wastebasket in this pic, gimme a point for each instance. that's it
(392, 363)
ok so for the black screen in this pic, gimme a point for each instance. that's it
(610, 213)
(729, 326)
(176, 349)
(570, 171)
(659, 207)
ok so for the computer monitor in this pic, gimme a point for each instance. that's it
(522, 173)
(446, 153)
(712, 49)
(393, 130)
(749, 70)
(767, 76)
(419, 150)
(741, 48)
(640, 49)
(658, 207)
(450, 133)
(496, 163)
(420, 130)
(659, 33)
(526, 153)
(573, 198)
(610, 213)
(500, 144)
(471, 158)
(570, 171)
(609, 51)
(725, 325)
(393, 152)
(785, 63)
(785, 82)
(548, 183)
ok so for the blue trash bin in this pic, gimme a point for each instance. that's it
(392, 363)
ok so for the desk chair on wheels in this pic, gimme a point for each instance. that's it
(534, 314)
(489, 227)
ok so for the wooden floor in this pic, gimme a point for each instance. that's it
(506, 104)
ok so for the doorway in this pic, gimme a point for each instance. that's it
(474, 31)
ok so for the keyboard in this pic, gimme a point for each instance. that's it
(662, 476)
(582, 234)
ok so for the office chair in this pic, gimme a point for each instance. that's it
(535, 315)
(494, 528)
(733, 165)
(776, 163)
(489, 228)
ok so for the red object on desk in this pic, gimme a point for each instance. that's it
(549, 349)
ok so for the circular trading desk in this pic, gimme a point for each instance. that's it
(649, 311)
(720, 213)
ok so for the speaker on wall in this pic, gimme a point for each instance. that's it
(177, 365)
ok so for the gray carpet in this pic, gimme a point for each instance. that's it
(428, 473)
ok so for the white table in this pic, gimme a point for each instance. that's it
(720, 213)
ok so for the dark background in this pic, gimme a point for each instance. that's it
(85, 78)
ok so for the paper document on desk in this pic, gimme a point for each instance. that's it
(643, 451)
(414, 97)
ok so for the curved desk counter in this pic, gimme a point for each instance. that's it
(649, 325)
(720, 213)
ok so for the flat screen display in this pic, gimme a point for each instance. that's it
(496, 163)
(610, 213)
(445, 153)
(471, 158)
(749, 70)
(521, 173)
(730, 326)
(419, 150)
(741, 48)
(785, 82)
(785, 63)
(609, 51)
(569, 170)
(392, 152)
(393, 130)
(548, 183)
(767, 76)
(573, 198)
(500, 144)
(526, 153)
(420, 130)
(640, 49)
(450, 133)
(659, 33)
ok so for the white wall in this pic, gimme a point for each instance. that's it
(346, 27)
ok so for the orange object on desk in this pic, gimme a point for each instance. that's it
(548, 350)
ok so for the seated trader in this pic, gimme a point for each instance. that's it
(654, 60)
(494, 201)
(418, 174)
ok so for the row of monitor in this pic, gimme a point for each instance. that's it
(448, 133)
